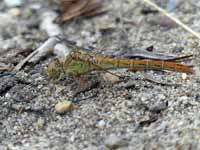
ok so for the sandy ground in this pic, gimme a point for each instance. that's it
(131, 115)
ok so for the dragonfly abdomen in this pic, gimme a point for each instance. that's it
(101, 62)
(145, 64)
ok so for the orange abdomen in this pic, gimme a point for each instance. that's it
(145, 64)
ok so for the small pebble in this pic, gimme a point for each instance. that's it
(105, 23)
(191, 41)
(61, 50)
(192, 44)
(171, 5)
(111, 78)
(40, 123)
(7, 21)
(48, 24)
(161, 96)
(183, 98)
(15, 12)
(162, 21)
(101, 124)
(158, 107)
(197, 71)
(114, 142)
(13, 3)
(63, 107)
(184, 76)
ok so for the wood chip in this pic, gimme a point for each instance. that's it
(74, 8)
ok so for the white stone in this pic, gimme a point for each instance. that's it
(184, 76)
(13, 3)
(101, 124)
(48, 25)
(61, 50)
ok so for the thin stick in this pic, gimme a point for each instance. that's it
(172, 18)
(36, 55)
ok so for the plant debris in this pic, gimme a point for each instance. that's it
(74, 8)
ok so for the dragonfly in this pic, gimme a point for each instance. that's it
(80, 62)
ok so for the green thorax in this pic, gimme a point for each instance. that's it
(77, 67)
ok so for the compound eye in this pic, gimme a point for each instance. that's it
(53, 69)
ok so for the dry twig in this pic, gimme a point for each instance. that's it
(42, 51)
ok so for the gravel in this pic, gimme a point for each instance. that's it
(130, 114)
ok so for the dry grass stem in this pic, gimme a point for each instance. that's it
(177, 21)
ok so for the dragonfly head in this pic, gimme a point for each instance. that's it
(54, 69)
